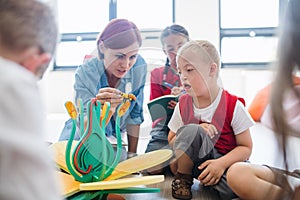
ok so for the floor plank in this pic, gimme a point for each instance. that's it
(199, 192)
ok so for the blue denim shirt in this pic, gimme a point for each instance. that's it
(90, 77)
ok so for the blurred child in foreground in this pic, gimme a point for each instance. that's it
(28, 38)
(266, 182)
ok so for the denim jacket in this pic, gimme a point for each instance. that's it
(90, 77)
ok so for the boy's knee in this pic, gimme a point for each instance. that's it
(235, 173)
(189, 138)
(190, 132)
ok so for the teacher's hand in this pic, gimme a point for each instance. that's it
(111, 95)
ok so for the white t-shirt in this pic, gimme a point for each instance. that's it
(241, 119)
(26, 166)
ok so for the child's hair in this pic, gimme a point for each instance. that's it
(174, 29)
(288, 63)
(27, 23)
(118, 34)
(203, 49)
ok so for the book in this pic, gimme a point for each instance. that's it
(113, 140)
(159, 109)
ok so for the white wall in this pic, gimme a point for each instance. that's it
(201, 19)
(56, 88)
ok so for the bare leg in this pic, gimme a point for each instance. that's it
(184, 163)
(297, 193)
(173, 166)
(251, 181)
(183, 180)
(158, 169)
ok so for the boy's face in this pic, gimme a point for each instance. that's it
(193, 74)
(40, 71)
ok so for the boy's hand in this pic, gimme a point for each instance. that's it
(176, 90)
(210, 129)
(212, 172)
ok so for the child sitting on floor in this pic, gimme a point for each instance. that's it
(209, 129)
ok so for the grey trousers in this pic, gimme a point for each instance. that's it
(193, 140)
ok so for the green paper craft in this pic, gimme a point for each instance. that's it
(93, 158)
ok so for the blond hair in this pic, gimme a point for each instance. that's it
(27, 23)
(203, 49)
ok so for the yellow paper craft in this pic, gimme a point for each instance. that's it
(124, 168)
(122, 183)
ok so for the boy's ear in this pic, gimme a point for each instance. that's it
(43, 59)
(33, 59)
(213, 69)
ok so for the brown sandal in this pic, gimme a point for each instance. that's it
(181, 186)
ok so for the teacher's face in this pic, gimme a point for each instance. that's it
(118, 62)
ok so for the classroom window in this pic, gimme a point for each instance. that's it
(78, 30)
(146, 14)
(80, 22)
(248, 32)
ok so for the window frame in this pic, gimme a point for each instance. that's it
(89, 36)
(245, 32)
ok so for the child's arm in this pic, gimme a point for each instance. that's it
(171, 138)
(240, 153)
(213, 169)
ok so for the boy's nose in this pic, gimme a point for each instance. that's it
(182, 77)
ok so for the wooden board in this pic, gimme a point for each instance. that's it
(132, 165)
(59, 151)
(122, 183)
(70, 186)
(140, 162)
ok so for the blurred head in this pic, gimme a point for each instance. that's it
(28, 29)
(289, 42)
(198, 65)
(172, 38)
(288, 63)
(118, 46)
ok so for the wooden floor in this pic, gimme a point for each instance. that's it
(199, 192)
(265, 151)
